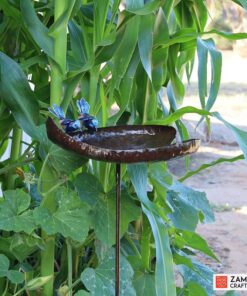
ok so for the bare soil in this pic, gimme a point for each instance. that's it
(225, 184)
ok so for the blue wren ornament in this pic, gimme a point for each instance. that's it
(88, 121)
(70, 126)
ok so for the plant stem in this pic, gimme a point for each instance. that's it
(69, 255)
(60, 48)
(49, 177)
(14, 154)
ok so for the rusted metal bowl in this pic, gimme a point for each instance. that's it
(124, 144)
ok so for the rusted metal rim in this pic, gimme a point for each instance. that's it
(104, 145)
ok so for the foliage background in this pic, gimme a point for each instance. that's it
(57, 211)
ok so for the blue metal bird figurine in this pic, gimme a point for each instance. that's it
(86, 119)
(70, 126)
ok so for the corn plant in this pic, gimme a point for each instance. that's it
(57, 214)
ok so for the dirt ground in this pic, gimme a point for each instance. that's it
(225, 184)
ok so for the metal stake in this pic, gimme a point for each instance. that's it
(118, 213)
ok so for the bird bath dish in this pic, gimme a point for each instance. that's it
(119, 144)
(124, 144)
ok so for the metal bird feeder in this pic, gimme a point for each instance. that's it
(123, 144)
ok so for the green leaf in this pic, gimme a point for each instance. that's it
(184, 215)
(4, 266)
(64, 161)
(216, 65)
(176, 81)
(101, 281)
(200, 274)
(228, 35)
(14, 276)
(139, 9)
(38, 282)
(211, 164)
(192, 201)
(63, 19)
(14, 212)
(82, 293)
(101, 8)
(36, 28)
(124, 52)
(70, 218)
(144, 283)
(243, 3)
(22, 245)
(104, 208)
(78, 45)
(17, 94)
(145, 42)
(240, 135)
(195, 289)
(164, 277)
(196, 242)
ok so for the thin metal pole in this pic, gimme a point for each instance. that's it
(118, 214)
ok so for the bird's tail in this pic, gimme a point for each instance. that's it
(83, 106)
(57, 111)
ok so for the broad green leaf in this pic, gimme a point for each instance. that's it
(14, 212)
(104, 208)
(184, 215)
(200, 274)
(17, 94)
(78, 45)
(194, 289)
(196, 242)
(182, 195)
(240, 135)
(243, 3)
(216, 65)
(164, 277)
(82, 293)
(64, 161)
(123, 54)
(145, 42)
(21, 245)
(101, 8)
(161, 30)
(164, 274)
(134, 4)
(14, 276)
(138, 174)
(148, 8)
(144, 284)
(36, 28)
(101, 281)
(4, 266)
(176, 81)
(70, 218)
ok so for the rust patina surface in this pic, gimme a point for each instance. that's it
(124, 144)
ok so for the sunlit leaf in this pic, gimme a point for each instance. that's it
(15, 214)
(68, 217)
(14, 276)
(17, 94)
(102, 279)
(104, 208)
